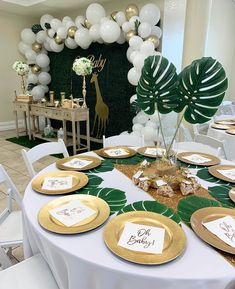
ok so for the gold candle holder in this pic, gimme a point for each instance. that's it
(62, 96)
(52, 97)
(84, 92)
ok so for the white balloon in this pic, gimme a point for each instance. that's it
(44, 87)
(151, 123)
(46, 69)
(133, 20)
(137, 127)
(71, 43)
(45, 19)
(133, 55)
(136, 132)
(149, 133)
(42, 60)
(150, 13)
(128, 53)
(121, 38)
(138, 61)
(32, 78)
(144, 30)
(94, 32)
(23, 47)
(31, 55)
(120, 18)
(56, 47)
(147, 48)
(100, 41)
(133, 76)
(110, 31)
(37, 92)
(69, 24)
(47, 44)
(142, 118)
(79, 21)
(82, 38)
(55, 24)
(51, 33)
(94, 13)
(154, 117)
(134, 120)
(133, 98)
(66, 19)
(62, 32)
(124, 132)
(104, 19)
(44, 78)
(135, 42)
(126, 26)
(28, 36)
(156, 31)
(41, 36)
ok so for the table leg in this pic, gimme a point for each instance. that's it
(74, 136)
(17, 127)
(25, 122)
(78, 134)
(38, 124)
(65, 132)
(88, 132)
(29, 124)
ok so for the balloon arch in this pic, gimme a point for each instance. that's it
(138, 27)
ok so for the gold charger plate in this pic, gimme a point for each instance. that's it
(210, 214)
(51, 224)
(221, 126)
(79, 181)
(214, 160)
(226, 121)
(174, 241)
(230, 131)
(95, 163)
(102, 152)
(142, 151)
(231, 194)
(213, 171)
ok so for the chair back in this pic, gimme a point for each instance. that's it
(123, 140)
(41, 151)
(197, 147)
(215, 143)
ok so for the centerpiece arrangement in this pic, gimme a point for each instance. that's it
(83, 66)
(196, 94)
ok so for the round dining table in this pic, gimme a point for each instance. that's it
(82, 261)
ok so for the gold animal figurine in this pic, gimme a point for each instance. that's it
(101, 109)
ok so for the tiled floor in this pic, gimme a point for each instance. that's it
(12, 161)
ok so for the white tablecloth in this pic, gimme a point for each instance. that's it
(222, 135)
(83, 261)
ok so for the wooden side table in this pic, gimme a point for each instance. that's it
(75, 115)
(23, 106)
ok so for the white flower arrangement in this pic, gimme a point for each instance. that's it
(82, 66)
(20, 67)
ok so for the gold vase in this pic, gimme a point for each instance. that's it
(23, 88)
(84, 92)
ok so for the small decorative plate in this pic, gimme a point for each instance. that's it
(93, 163)
(79, 180)
(221, 126)
(213, 160)
(129, 152)
(230, 131)
(210, 214)
(51, 224)
(214, 172)
(174, 241)
(225, 121)
(160, 152)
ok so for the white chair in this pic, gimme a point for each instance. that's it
(41, 151)
(201, 128)
(184, 133)
(11, 233)
(123, 140)
(215, 143)
(32, 273)
(196, 147)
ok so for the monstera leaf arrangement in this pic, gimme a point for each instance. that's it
(196, 92)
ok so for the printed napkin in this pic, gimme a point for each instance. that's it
(116, 152)
(228, 173)
(196, 159)
(77, 163)
(57, 183)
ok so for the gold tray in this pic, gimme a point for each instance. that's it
(79, 181)
(95, 163)
(230, 131)
(231, 194)
(226, 121)
(102, 153)
(210, 214)
(174, 241)
(221, 126)
(214, 160)
(51, 224)
(142, 151)
(213, 171)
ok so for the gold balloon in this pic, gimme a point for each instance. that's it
(113, 14)
(36, 46)
(71, 31)
(154, 39)
(130, 34)
(131, 10)
(35, 69)
(87, 24)
(58, 40)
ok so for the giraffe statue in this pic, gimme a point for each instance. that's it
(101, 109)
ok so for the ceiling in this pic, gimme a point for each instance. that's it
(24, 7)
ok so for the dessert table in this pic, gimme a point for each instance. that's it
(83, 261)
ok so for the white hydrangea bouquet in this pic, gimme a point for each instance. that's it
(82, 66)
(22, 69)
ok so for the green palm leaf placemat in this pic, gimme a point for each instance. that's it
(94, 182)
(205, 175)
(115, 198)
(151, 206)
(106, 166)
(220, 193)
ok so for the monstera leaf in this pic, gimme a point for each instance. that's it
(221, 193)
(157, 86)
(202, 86)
